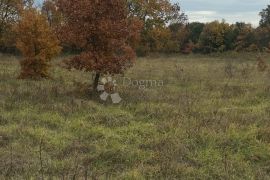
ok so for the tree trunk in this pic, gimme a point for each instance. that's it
(96, 80)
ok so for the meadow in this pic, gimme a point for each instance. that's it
(209, 120)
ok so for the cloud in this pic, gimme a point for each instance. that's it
(232, 17)
(230, 10)
(201, 16)
(204, 13)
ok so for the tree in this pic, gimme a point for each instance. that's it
(195, 30)
(103, 31)
(160, 39)
(231, 36)
(246, 39)
(9, 14)
(180, 38)
(49, 10)
(262, 35)
(212, 39)
(155, 15)
(265, 17)
(37, 43)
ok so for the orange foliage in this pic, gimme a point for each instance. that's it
(103, 31)
(37, 43)
(9, 14)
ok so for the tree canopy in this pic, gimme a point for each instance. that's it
(103, 31)
(265, 17)
(37, 43)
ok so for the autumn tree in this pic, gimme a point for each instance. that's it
(103, 31)
(37, 43)
(9, 14)
(246, 39)
(159, 38)
(212, 38)
(153, 12)
(262, 36)
(179, 40)
(155, 15)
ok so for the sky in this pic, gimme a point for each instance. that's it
(230, 10)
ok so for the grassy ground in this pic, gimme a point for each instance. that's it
(210, 120)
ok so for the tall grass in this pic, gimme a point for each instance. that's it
(210, 120)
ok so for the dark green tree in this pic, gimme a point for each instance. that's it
(195, 30)
(265, 17)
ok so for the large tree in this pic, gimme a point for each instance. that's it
(103, 31)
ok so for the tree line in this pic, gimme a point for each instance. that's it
(104, 34)
(107, 35)
(165, 28)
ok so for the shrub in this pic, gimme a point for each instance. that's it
(37, 43)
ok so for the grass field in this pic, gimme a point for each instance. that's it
(210, 120)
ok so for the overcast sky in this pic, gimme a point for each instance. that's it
(230, 10)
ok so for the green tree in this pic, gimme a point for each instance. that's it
(265, 17)
(262, 32)
(195, 30)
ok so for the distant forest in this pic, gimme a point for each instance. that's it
(164, 29)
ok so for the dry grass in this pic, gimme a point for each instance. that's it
(210, 120)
